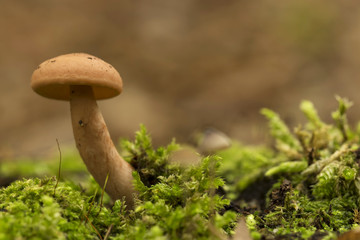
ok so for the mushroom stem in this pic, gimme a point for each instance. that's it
(96, 147)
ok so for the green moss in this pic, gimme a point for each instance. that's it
(314, 168)
(173, 203)
(30, 210)
(321, 166)
(242, 166)
(179, 203)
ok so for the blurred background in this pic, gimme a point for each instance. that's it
(185, 64)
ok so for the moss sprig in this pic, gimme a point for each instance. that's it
(324, 174)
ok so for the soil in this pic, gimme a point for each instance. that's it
(277, 196)
(185, 64)
(6, 181)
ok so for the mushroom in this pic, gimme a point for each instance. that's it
(82, 79)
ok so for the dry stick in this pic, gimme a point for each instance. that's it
(97, 232)
(217, 233)
(101, 200)
(57, 180)
(108, 232)
(91, 204)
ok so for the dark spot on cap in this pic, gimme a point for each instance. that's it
(53, 61)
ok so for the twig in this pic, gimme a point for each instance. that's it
(242, 232)
(215, 232)
(59, 174)
(91, 203)
(108, 232)
(97, 232)
(319, 165)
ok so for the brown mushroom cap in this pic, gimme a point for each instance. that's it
(53, 77)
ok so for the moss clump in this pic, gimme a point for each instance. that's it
(316, 173)
(307, 186)
(242, 166)
(173, 203)
(29, 209)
